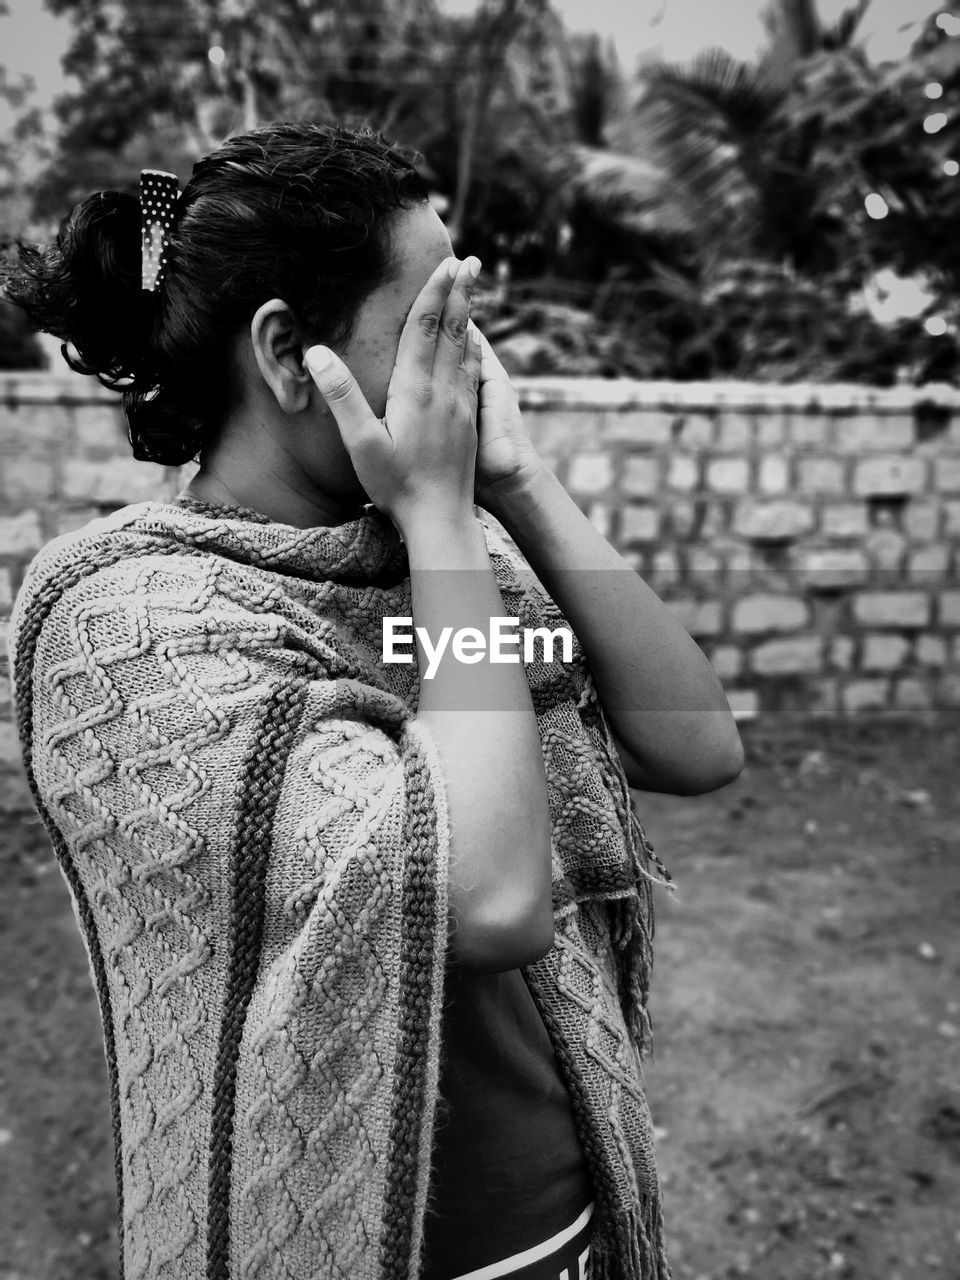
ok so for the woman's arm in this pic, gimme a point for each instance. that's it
(670, 718)
(417, 466)
(482, 719)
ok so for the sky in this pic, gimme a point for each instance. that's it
(32, 40)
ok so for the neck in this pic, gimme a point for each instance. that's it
(286, 500)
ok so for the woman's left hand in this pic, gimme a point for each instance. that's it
(506, 457)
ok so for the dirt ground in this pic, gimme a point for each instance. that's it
(806, 1077)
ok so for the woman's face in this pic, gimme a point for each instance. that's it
(420, 243)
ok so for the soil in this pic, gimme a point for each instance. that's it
(805, 1081)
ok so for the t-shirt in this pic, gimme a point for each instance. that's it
(509, 1170)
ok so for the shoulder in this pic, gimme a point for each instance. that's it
(108, 594)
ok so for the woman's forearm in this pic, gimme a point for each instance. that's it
(664, 702)
(482, 719)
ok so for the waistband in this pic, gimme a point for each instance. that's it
(569, 1249)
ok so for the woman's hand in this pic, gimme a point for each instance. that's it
(422, 453)
(506, 457)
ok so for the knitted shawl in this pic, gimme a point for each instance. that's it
(253, 827)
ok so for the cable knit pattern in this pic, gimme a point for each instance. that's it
(252, 824)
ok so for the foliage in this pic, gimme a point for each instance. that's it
(707, 220)
(747, 181)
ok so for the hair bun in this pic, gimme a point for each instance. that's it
(86, 289)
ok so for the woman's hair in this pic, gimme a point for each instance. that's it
(296, 211)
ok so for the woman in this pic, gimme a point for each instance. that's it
(371, 948)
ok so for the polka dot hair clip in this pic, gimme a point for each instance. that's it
(159, 192)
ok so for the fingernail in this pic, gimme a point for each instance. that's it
(317, 359)
(454, 268)
(473, 267)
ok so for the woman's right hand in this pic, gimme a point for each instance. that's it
(420, 457)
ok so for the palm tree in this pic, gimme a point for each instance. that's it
(709, 150)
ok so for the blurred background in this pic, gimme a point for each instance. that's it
(720, 248)
(661, 189)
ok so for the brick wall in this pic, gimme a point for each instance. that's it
(808, 536)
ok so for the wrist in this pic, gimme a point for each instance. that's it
(513, 500)
(437, 535)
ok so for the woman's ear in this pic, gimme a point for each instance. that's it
(278, 350)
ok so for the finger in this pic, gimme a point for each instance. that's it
(490, 361)
(341, 391)
(471, 357)
(418, 341)
(451, 340)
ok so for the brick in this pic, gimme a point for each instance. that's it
(69, 519)
(886, 548)
(640, 476)
(6, 589)
(715, 519)
(600, 515)
(683, 518)
(841, 653)
(891, 475)
(833, 568)
(948, 690)
(98, 430)
(824, 698)
(740, 564)
(698, 617)
(9, 744)
(683, 473)
(845, 520)
(864, 431)
(563, 431)
(30, 425)
(638, 426)
(931, 651)
(928, 564)
(727, 661)
(639, 523)
(883, 652)
(744, 704)
(770, 431)
(590, 473)
(949, 608)
(864, 695)
(759, 613)
(27, 478)
(773, 520)
(734, 431)
(921, 519)
(796, 656)
(773, 475)
(21, 535)
(911, 694)
(698, 430)
(820, 475)
(665, 568)
(117, 483)
(946, 474)
(704, 567)
(951, 519)
(892, 608)
(809, 429)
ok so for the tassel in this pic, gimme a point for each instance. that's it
(632, 1247)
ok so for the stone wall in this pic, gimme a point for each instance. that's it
(808, 536)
